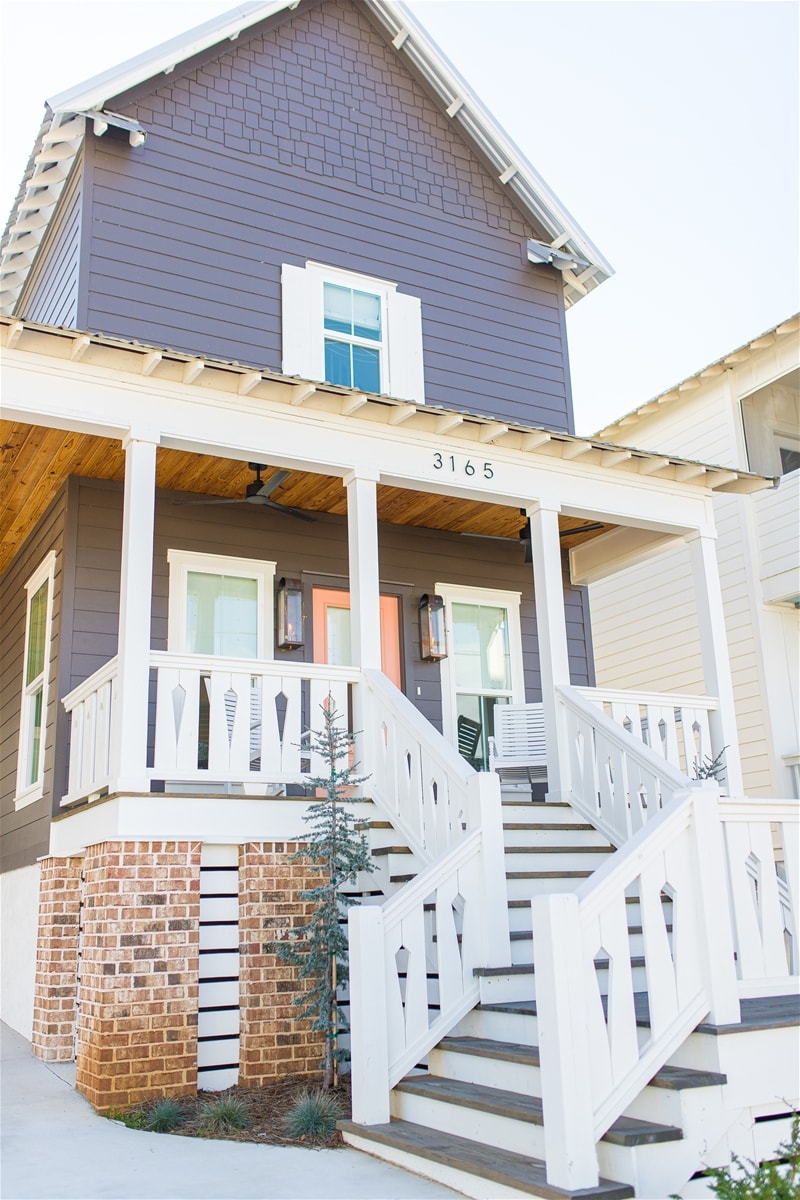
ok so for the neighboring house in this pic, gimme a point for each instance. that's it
(742, 411)
(287, 415)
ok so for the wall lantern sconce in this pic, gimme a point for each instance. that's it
(431, 628)
(290, 614)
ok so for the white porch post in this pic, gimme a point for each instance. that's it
(714, 651)
(365, 614)
(129, 762)
(551, 626)
(362, 539)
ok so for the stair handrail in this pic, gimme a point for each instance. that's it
(592, 1065)
(415, 775)
(616, 781)
(453, 916)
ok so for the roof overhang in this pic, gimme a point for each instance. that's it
(582, 266)
(689, 386)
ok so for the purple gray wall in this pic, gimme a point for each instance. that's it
(309, 139)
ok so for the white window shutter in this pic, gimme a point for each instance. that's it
(301, 315)
(406, 380)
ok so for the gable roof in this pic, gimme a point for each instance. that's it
(687, 386)
(65, 123)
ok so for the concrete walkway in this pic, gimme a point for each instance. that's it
(55, 1147)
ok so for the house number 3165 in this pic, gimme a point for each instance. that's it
(449, 462)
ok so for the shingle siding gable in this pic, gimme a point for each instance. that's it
(310, 140)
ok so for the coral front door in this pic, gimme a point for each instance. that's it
(331, 631)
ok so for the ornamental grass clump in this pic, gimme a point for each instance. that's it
(227, 1115)
(314, 1115)
(164, 1116)
(336, 851)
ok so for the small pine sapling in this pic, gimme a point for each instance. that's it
(711, 768)
(336, 850)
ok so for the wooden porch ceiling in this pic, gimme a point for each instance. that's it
(35, 462)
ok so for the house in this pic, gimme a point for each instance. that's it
(742, 411)
(283, 341)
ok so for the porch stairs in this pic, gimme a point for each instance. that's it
(471, 1117)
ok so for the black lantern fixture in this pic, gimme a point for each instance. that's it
(290, 614)
(431, 628)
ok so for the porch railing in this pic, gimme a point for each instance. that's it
(90, 707)
(615, 779)
(452, 918)
(240, 721)
(675, 727)
(237, 720)
(762, 843)
(592, 1059)
(418, 778)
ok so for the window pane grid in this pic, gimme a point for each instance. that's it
(37, 635)
(353, 358)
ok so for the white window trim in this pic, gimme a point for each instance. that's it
(302, 309)
(27, 793)
(463, 594)
(181, 562)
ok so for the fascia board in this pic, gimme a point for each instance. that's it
(93, 93)
(479, 123)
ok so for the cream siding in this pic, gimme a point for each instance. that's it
(644, 621)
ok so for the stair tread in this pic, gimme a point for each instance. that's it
(379, 850)
(548, 875)
(625, 1131)
(489, 1162)
(549, 826)
(668, 1077)
(637, 960)
(545, 849)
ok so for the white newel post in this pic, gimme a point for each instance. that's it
(369, 1026)
(714, 907)
(129, 732)
(714, 650)
(485, 810)
(365, 615)
(551, 627)
(563, 1043)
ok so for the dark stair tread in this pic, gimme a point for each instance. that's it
(537, 803)
(669, 1077)
(548, 826)
(625, 1131)
(490, 1048)
(380, 850)
(548, 875)
(489, 1162)
(557, 850)
(602, 964)
(760, 1012)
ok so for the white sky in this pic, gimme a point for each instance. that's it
(668, 129)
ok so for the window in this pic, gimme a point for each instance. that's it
(771, 418)
(220, 606)
(38, 636)
(351, 330)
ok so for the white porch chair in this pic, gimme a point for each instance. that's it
(517, 748)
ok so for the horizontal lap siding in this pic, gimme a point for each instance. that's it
(51, 294)
(412, 561)
(310, 141)
(25, 833)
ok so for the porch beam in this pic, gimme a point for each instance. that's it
(362, 540)
(551, 626)
(714, 653)
(129, 732)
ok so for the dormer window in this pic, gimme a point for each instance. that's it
(352, 330)
(353, 324)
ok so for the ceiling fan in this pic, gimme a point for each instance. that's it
(260, 492)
